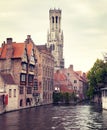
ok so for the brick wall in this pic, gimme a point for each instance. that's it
(16, 70)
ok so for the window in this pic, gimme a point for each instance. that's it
(23, 77)
(29, 90)
(75, 88)
(24, 66)
(10, 93)
(75, 81)
(21, 90)
(31, 67)
(68, 74)
(30, 78)
(14, 92)
(36, 85)
(52, 19)
(56, 19)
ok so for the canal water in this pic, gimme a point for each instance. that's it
(79, 117)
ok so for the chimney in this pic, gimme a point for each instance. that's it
(71, 67)
(28, 36)
(28, 40)
(9, 40)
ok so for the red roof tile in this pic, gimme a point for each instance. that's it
(18, 50)
(65, 89)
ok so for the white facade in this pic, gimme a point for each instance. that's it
(104, 98)
(13, 95)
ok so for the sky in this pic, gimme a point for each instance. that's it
(84, 25)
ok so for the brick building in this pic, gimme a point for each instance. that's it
(78, 80)
(62, 83)
(32, 69)
(45, 73)
(10, 92)
(18, 59)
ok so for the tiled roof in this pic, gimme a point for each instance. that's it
(65, 89)
(43, 49)
(59, 77)
(8, 79)
(18, 50)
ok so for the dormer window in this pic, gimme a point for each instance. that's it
(24, 66)
(31, 67)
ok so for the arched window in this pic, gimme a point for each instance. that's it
(52, 19)
(56, 19)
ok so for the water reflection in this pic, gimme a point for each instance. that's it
(80, 117)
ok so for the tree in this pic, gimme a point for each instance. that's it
(73, 97)
(97, 77)
(67, 98)
(61, 97)
(56, 97)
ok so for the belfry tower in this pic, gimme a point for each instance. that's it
(55, 37)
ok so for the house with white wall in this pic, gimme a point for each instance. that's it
(9, 93)
(104, 98)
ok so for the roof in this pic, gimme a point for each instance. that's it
(66, 89)
(18, 50)
(8, 79)
(43, 49)
(61, 80)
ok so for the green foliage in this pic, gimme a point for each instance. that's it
(96, 75)
(67, 98)
(90, 92)
(73, 97)
(56, 97)
(61, 97)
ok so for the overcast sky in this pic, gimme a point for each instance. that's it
(84, 24)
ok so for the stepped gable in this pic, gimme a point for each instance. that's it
(17, 49)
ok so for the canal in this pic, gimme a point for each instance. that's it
(79, 117)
